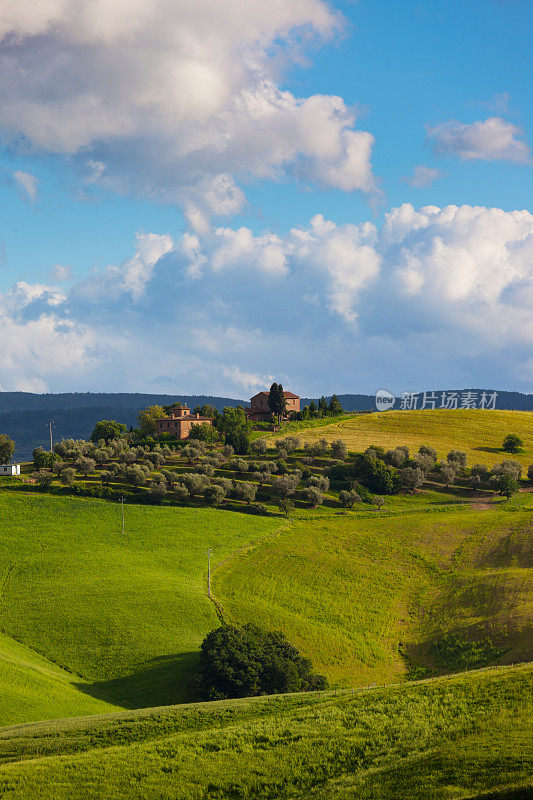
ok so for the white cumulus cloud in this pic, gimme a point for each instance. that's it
(177, 100)
(432, 297)
(492, 139)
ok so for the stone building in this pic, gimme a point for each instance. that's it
(180, 422)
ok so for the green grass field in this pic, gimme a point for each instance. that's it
(461, 737)
(478, 433)
(363, 594)
(34, 688)
(126, 614)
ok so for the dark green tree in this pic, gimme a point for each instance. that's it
(334, 408)
(276, 401)
(507, 485)
(322, 407)
(7, 448)
(247, 661)
(43, 459)
(512, 443)
(108, 429)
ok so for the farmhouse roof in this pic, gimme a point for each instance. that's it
(285, 394)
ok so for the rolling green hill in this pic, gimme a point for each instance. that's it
(461, 737)
(478, 433)
(362, 593)
(33, 688)
(126, 614)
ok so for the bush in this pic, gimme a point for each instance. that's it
(530, 472)
(248, 661)
(214, 495)
(239, 440)
(368, 471)
(512, 443)
(339, 449)
(348, 499)
(313, 496)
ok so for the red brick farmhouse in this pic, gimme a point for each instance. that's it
(259, 410)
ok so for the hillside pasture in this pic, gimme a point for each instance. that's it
(478, 433)
(125, 613)
(367, 596)
(33, 688)
(435, 740)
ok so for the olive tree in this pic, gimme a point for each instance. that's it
(348, 499)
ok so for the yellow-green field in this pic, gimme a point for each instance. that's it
(461, 737)
(358, 592)
(478, 433)
(32, 687)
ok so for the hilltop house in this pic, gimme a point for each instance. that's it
(259, 410)
(180, 422)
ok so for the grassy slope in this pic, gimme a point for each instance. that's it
(126, 613)
(352, 590)
(436, 740)
(478, 433)
(34, 688)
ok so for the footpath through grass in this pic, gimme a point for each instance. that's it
(436, 740)
(126, 613)
(478, 433)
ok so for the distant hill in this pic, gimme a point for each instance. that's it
(506, 401)
(25, 417)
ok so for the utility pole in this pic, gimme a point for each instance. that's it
(122, 501)
(209, 572)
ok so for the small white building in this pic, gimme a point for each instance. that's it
(9, 469)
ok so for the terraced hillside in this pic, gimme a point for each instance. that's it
(478, 433)
(464, 737)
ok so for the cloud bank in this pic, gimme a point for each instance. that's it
(178, 101)
(431, 297)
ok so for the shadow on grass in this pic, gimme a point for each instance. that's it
(165, 680)
(492, 450)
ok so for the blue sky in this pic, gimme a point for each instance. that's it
(333, 195)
